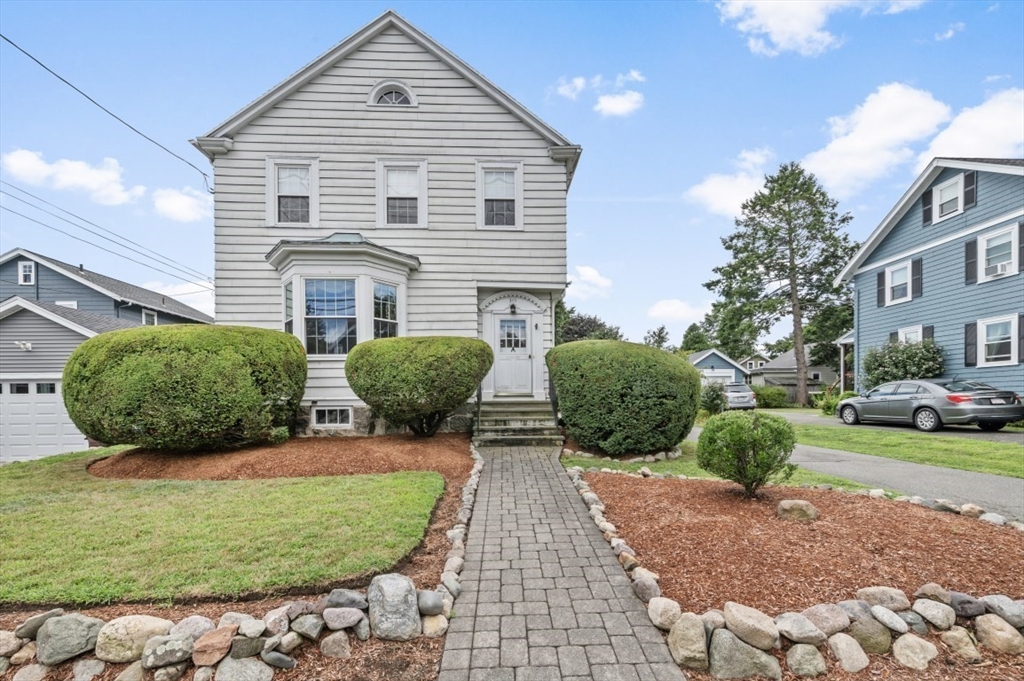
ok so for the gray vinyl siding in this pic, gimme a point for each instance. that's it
(52, 286)
(716, 362)
(51, 344)
(946, 303)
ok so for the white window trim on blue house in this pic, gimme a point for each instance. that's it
(911, 334)
(983, 240)
(937, 190)
(889, 299)
(983, 325)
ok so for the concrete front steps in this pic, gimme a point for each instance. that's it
(516, 423)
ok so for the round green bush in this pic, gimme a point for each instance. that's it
(185, 387)
(712, 398)
(770, 397)
(624, 398)
(417, 381)
(748, 448)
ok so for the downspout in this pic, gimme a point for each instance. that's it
(117, 310)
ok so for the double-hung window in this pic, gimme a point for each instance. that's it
(401, 193)
(998, 338)
(997, 254)
(148, 318)
(949, 198)
(289, 308)
(385, 310)
(330, 313)
(293, 192)
(499, 195)
(897, 283)
(26, 273)
(911, 334)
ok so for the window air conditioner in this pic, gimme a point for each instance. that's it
(1003, 268)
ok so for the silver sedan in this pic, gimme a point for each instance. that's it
(931, 404)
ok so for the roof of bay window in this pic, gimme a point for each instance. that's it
(341, 243)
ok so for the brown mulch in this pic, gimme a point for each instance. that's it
(710, 544)
(373, 660)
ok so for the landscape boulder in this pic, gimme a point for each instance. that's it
(211, 647)
(848, 653)
(687, 642)
(889, 619)
(394, 611)
(9, 643)
(161, 651)
(244, 669)
(731, 658)
(828, 617)
(798, 510)
(663, 612)
(804, 660)
(914, 652)
(872, 635)
(964, 605)
(1010, 610)
(960, 642)
(799, 629)
(193, 625)
(121, 640)
(885, 596)
(336, 645)
(996, 633)
(30, 627)
(751, 626)
(66, 636)
(934, 592)
(87, 669)
(941, 616)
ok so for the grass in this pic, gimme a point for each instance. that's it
(687, 465)
(981, 456)
(70, 538)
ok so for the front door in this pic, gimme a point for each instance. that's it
(513, 363)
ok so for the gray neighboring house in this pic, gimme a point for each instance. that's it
(781, 372)
(47, 309)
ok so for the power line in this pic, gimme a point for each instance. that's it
(206, 178)
(65, 292)
(181, 267)
(86, 241)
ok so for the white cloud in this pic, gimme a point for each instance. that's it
(570, 89)
(622, 104)
(102, 183)
(996, 77)
(676, 310)
(875, 137)
(189, 293)
(633, 76)
(588, 283)
(992, 129)
(950, 32)
(898, 6)
(724, 194)
(187, 205)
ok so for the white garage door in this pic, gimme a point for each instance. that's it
(34, 422)
(718, 375)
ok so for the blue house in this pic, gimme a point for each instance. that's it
(715, 366)
(947, 264)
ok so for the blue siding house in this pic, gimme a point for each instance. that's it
(947, 264)
(715, 366)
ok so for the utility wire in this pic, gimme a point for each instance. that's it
(206, 178)
(119, 255)
(65, 292)
(181, 267)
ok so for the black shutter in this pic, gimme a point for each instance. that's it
(1020, 246)
(894, 336)
(971, 262)
(928, 333)
(881, 289)
(926, 208)
(1020, 338)
(916, 273)
(971, 344)
(970, 189)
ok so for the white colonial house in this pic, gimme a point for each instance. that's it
(388, 189)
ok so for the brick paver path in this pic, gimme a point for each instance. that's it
(543, 597)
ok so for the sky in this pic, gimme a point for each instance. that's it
(681, 109)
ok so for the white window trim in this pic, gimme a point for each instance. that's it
(32, 273)
(398, 306)
(156, 319)
(314, 189)
(72, 304)
(299, 320)
(329, 426)
(392, 84)
(982, 324)
(958, 180)
(901, 334)
(485, 165)
(888, 283)
(385, 164)
(1013, 231)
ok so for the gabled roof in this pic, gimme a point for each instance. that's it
(390, 19)
(698, 356)
(1007, 166)
(88, 324)
(115, 288)
(787, 360)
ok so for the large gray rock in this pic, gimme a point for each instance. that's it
(277, 621)
(1010, 610)
(713, 619)
(343, 598)
(798, 510)
(30, 627)
(913, 651)
(161, 651)
(964, 605)
(889, 619)
(934, 592)
(663, 612)
(687, 642)
(394, 612)
(804, 660)
(64, 637)
(855, 609)
(940, 615)
(872, 635)
(362, 629)
(32, 672)
(731, 658)
(848, 653)
(243, 646)
(828, 617)
(343, 618)
(960, 642)
(337, 645)
(9, 643)
(646, 588)
(885, 596)
(87, 670)
(193, 625)
(253, 628)
(996, 633)
(121, 640)
(244, 669)
(799, 629)
(310, 626)
(751, 626)
(429, 603)
(276, 659)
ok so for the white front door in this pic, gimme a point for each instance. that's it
(513, 362)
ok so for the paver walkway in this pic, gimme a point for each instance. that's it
(543, 597)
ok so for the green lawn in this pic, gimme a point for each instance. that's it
(69, 538)
(687, 465)
(982, 456)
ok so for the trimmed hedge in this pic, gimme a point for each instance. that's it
(624, 398)
(770, 397)
(185, 387)
(417, 381)
(748, 448)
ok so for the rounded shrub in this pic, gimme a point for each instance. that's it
(770, 397)
(417, 381)
(185, 387)
(712, 398)
(623, 397)
(748, 448)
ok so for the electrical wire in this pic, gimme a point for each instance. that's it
(65, 292)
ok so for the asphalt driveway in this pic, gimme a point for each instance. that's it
(813, 417)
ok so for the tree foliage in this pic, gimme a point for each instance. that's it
(571, 326)
(695, 339)
(896, 361)
(732, 329)
(657, 338)
(786, 252)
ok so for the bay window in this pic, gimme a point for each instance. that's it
(385, 310)
(330, 310)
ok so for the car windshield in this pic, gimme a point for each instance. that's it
(965, 386)
(737, 389)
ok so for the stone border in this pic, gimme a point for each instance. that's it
(242, 647)
(736, 642)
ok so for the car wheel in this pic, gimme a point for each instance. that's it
(927, 420)
(990, 426)
(849, 416)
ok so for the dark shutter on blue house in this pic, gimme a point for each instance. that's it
(928, 333)
(1020, 246)
(971, 344)
(916, 275)
(926, 208)
(1020, 338)
(881, 289)
(970, 189)
(894, 336)
(971, 262)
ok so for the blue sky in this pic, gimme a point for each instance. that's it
(681, 108)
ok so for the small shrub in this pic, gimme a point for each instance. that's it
(712, 398)
(748, 448)
(897, 361)
(278, 435)
(827, 402)
(702, 417)
(185, 387)
(770, 397)
(623, 398)
(417, 381)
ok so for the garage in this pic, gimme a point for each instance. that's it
(34, 422)
(718, 375)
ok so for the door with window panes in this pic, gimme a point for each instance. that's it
(513, 363)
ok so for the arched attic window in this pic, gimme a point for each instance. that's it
(392, 93)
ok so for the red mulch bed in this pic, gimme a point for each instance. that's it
(373, 660)
(710, 544)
